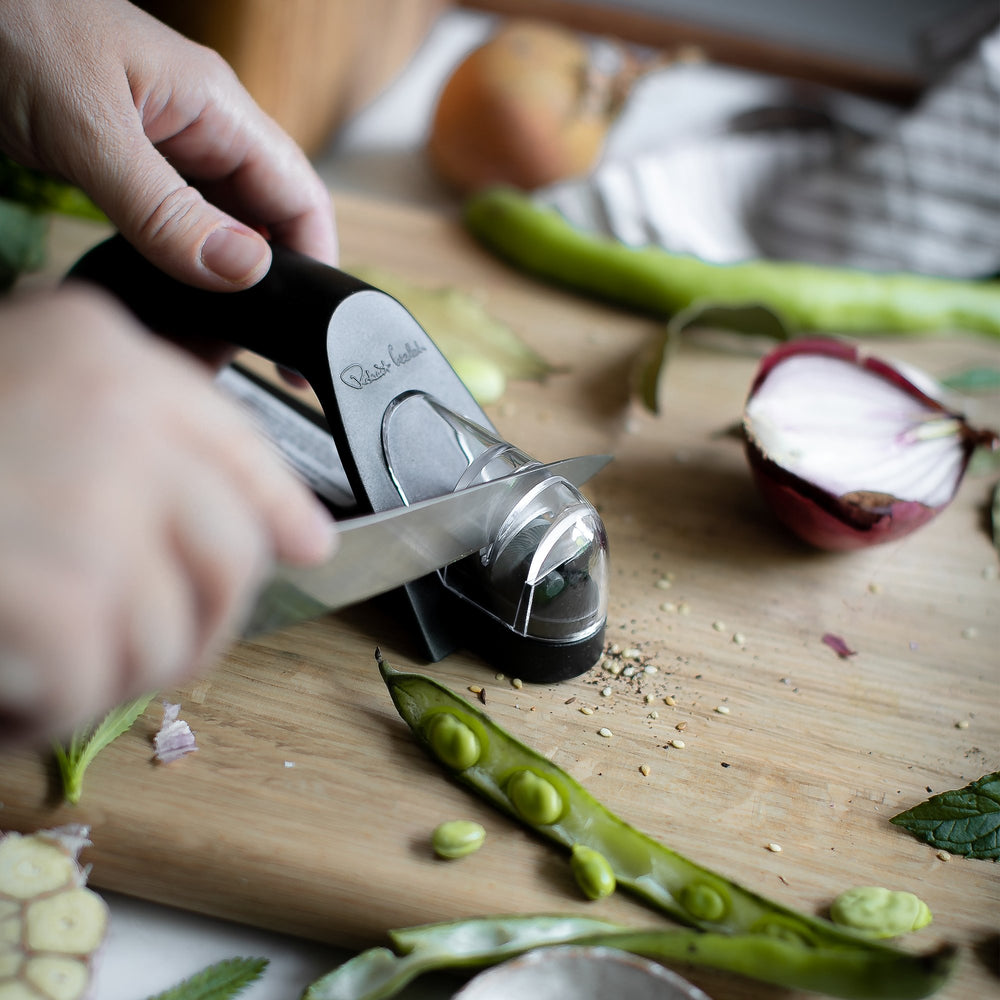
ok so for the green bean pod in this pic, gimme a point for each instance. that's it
(807, 297)
(560, 809)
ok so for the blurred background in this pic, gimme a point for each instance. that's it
(878, 120)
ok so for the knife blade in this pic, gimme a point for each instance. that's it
(379, 552)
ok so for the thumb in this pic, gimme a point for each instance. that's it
(172, 224)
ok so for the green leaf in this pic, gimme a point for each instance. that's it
(985, 461)
(23, 234)
(995, 517)
(221, 981)
(974, 380)
(965, 821)
(749, 318)
(88, 741)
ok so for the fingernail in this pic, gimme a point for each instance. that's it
(232, 254)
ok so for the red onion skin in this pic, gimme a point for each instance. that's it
(842, 528)
(826, 521)
(846, 351)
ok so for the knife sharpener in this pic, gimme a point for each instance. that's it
(533, 602)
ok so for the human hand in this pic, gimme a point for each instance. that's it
(139, 513)
(161, 135)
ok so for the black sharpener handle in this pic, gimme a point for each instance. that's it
(283, 317)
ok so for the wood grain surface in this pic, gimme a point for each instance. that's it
(308, 806)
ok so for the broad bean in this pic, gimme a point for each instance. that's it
(883, 913)
(806, 297)
(457, 837)
(592, 872)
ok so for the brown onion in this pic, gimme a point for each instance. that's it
(849, 450)
(527, 108)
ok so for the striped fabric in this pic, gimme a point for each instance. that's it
(921, 194)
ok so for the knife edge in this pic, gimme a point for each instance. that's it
(381, 551)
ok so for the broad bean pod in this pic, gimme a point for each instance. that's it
(853, 974)
(807, 297)
(501, 769)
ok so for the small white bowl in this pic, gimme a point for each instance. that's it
(571, 973)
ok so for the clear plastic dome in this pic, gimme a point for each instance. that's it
(544, 575)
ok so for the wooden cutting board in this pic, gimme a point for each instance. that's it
(308, 806)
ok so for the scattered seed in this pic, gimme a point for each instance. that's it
(970, 632)
(681, 726)
(570, 700)
(650, 668)
(615, 668)
(739, 638)
(653, 715)
(615, 650)
(943, 856)
(632, 653)
(684, 608)
(677, 744)
(669, 700)
(664, 583)
(517, 683)
(482, 697)
(289, 763)
(722, 709)
(628, 672)
(606, 692)
(475, 688)
(874, 588)
(719, 626)
(774, 848)
(648, 699)
(668, 606)
(962, 724)
(586, 710)
(605, 732)
(644, 770)
(499, 677)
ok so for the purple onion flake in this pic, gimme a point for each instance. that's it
(175, 738)
(837, 644)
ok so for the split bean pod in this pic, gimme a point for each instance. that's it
(525, 784)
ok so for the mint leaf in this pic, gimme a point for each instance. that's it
(965, 821)
(221, 981)
(88, 741)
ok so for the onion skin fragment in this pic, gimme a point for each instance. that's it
(858, 518)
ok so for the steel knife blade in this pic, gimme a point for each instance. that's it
(379, 552)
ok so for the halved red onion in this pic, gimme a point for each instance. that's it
(850, 450)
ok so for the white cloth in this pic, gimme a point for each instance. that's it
(877, 188)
